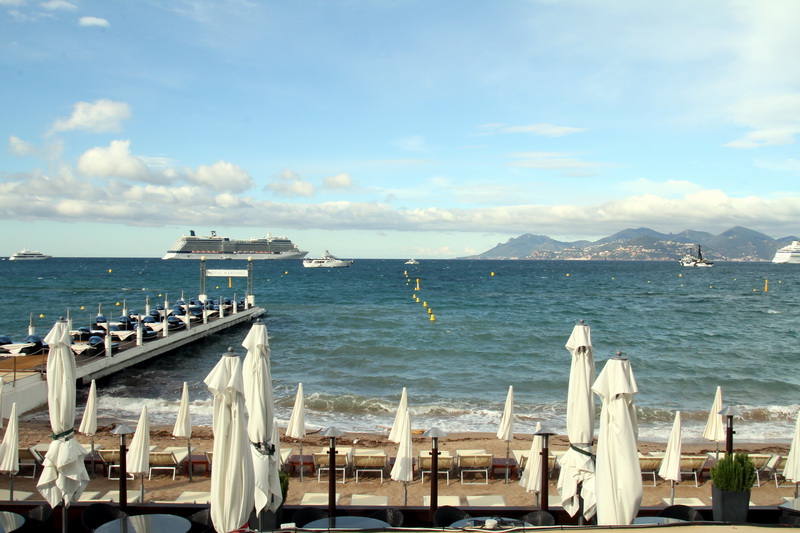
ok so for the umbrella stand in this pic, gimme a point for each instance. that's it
(508, 451)
(189, 457)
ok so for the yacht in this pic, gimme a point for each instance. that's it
(788, 254)
(28, 255)
(412, 262)
(690, 260)
(327, 261)
(215, 247)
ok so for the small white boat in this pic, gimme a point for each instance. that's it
(690, 260)
(412, 262)
(327, 260)
(28, 255)
(788, 254)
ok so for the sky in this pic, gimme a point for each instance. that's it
(393, 128)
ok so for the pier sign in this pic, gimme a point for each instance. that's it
(226, 273)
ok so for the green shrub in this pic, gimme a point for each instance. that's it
(734, 473)
(284, 477)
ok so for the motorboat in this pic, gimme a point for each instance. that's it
(788, 254)
(690, 260)
(28, 255)
(327, 260)
(216, 247)
(412, 262)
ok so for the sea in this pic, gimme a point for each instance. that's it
(455, 333)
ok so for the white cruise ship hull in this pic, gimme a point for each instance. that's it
(788, 254)
(255, 256)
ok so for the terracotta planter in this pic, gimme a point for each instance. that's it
(729, 506)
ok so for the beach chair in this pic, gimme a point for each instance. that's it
(110, 459)
(486, 500)
(442, 500)
(322, 461)
(691, 465)
(182, 455)
(369, 463)
(28, 457)
(521, 457)
(649, 466)
(368, 499)
(317, 498)
(210, 459)
(444, 467)
(163, 461)
(777, 468)
(475, 464)
(760, 463)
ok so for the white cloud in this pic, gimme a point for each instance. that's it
(564, 162)
(115, 161)
(222, 176)
(12, 3)
(289, 183)
(230, 201)
(99, 116)
(773, 120)
(23, 148)
(93, 21)
(338, 181)
(545, 130)
(20, 147)
(55, 5)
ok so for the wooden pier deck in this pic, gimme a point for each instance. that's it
(24, 376)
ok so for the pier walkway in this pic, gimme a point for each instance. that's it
(24, 376)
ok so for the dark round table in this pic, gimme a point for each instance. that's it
(359, 522)
(10, 521)
(147, 523)
(479, 521)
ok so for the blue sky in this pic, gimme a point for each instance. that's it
(393, 128)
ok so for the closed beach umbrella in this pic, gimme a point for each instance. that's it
(183, 426)
(232, 481)
(618, 480)
(506, 430)
(138, 455)
(89, 421)
(715, 425)
(261, 412)
(297, 422)
(64, 476)
(531, 479)
(2, 385)
(403, 469)
(402, 407)
(791, 470)
(671, 464)
(576, 477)
(9, 450)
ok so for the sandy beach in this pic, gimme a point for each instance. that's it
(163, 488)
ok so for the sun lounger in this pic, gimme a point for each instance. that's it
(649, 466)
(521, 457)
(110, 459)
(486, 500)
(777, 468)
(445, 465)
(113, 496)
(691, 502)
(322, 461)
(317, 498)
(163, 461)
(193, 497)
(475, 464)
(29, 457)
(90, 496)
(760, 462)
(369, 463)
(442, 500)
(19, 495)
(691, 465)
(369, 499)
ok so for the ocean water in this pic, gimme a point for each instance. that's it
(356, 336)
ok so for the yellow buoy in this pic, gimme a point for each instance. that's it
(680, 275)
(492, 273)
(433, 318)
(413, 296)
(41, 315)
(567, 274)
(430, 310)
(82, 308)
(424, 304)
(766, 285)
(110, 271)
(417, 300)
(118, 304)
(286, 272)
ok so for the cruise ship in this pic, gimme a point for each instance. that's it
(214, 247)
(28, 255)
(788, 254)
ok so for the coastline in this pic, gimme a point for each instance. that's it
(163, 488)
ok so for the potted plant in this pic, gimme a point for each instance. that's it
(732, 477)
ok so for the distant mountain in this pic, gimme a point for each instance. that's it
(643, 244)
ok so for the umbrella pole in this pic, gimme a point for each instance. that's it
(302, 461)
(65, 517)
(92, 454)
(580, 504)
(508, 450)
(189, 458)
(672, 492)
(405, 493)
(795, 490)
(11, 487)
(142, 498)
